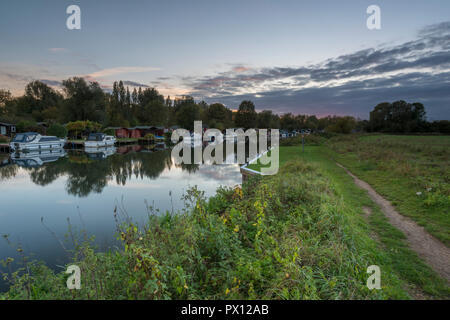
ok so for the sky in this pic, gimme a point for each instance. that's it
(305, 57)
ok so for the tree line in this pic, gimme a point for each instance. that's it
(80, 100)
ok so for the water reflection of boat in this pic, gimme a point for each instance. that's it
(31, 141)
(160, 146)
(36, 158)
(99, 152)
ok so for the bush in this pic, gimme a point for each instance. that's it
(149, 136)
(57, 130)
(310, 140)
(109, 132)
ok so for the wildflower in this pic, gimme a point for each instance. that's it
(429, 189)
(236, 229)
(227, 291)
(419, 193)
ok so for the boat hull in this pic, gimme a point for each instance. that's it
(99, 144)
(37, 146)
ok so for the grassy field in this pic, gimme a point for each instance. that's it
(413, 172)
(395, 153)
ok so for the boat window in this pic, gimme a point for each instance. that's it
(19, 138)
(30, 138)
(95, 137)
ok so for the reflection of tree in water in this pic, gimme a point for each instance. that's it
(8, 172)
(85, 175)
(191, 168)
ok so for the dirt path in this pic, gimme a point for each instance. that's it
(434, 252)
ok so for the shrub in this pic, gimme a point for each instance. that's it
(149, 136)
(109, 132)
(57, 130)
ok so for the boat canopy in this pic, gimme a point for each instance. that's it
(96, 137)
(25, 137)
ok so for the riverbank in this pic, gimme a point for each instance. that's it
(301, 234)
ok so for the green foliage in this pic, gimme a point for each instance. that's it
(288, 236)
(310, 140)
(109, 132)
(85, 101)
(57, 130)
(149, 136)
(398, 117)
(78, 129)
(246, 116)
(343, 125)
(187, 114)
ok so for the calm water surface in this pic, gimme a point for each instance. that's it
(85, 188)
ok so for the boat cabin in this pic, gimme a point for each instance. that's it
(96, 137)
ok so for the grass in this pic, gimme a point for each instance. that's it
(288, 236)
(413, 172)
(419, 278)
(127, 140)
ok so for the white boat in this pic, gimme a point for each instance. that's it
(33, 141)
(96, 140)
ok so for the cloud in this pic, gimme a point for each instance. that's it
(417, 70)
(53, 83)
(119, 70)
(57, 50)
(135, 84)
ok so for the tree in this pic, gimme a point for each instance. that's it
(265, 119)
(288, 122)
(5, 97)
(57, 130)
(218, 116)
(187, 114)
(246, 116)
(343, 125)
(398, 116)
(84, 101)
(37, 99)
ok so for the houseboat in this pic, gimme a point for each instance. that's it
(96, 140)
(33, 141)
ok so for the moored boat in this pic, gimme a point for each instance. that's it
(33, 141)
(96, 140)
